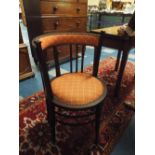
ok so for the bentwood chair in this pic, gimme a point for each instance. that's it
(74, 91)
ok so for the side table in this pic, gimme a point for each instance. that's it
(122, 43)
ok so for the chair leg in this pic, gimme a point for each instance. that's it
(118, 60)
(96, 149)
(51, 120)
(53, 123)
(97, 124)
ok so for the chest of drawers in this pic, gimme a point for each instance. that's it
(25, 70)
(44, 16)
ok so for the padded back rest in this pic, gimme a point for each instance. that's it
(70, 38)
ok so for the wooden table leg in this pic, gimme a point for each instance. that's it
(99, 21)
(90, 23)
(118, 60)
(121, 71)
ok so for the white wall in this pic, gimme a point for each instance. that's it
(93, 2)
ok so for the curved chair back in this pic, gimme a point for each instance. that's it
(76, 42)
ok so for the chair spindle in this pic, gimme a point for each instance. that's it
(56, 58)
(82, 60)
(71, 58)
(76, 52)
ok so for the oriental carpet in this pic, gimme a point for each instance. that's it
(35, 135)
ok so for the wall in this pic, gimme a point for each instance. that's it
(93, 2)
(96, 2)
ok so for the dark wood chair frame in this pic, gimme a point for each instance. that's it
(94, 108)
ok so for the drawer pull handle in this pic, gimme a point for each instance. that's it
(78, 10)
(56, 25)
(55, 8)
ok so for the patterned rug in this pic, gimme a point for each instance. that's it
(35, 135)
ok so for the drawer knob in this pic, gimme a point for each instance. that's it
(56, 25)
(78, 24)
(78, 10)
(55, 8)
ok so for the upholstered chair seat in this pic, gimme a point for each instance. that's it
(77, 89)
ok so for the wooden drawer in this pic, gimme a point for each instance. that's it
(74, 1)
(62, 8)
(25, 69)
(64, 24)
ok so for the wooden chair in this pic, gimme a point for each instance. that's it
(75, 91)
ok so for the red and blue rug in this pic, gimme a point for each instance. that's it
(35, 135)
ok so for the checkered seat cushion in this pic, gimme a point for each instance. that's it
(77, 89)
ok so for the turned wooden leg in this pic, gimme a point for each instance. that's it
(118, 60)
(51, 119)
(121, 71)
